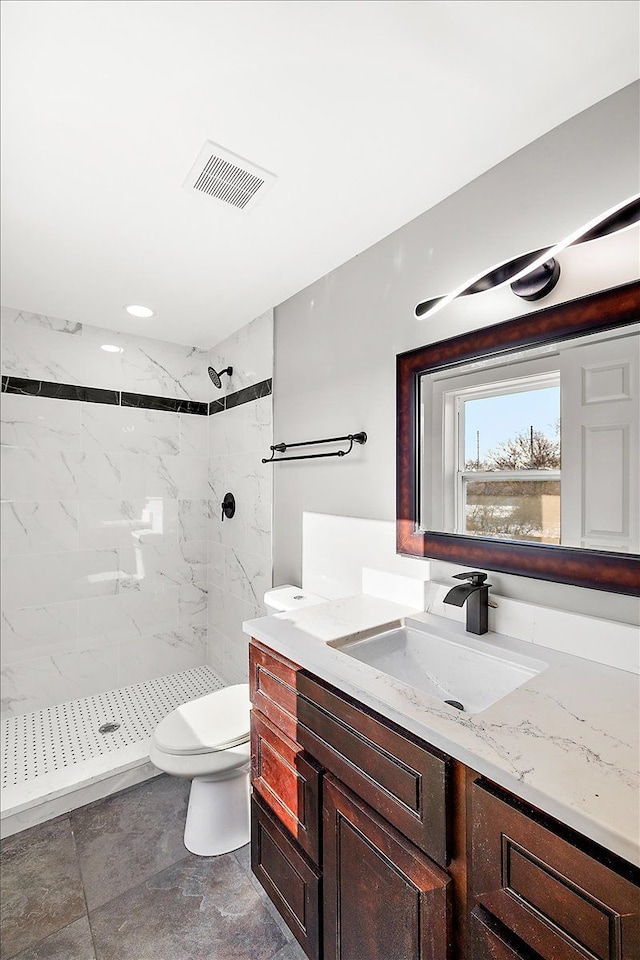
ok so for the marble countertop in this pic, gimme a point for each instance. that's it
(567, 740)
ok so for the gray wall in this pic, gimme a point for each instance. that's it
(336, 340)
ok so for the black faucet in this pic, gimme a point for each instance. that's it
(476, 594)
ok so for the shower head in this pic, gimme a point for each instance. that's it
(215, 376)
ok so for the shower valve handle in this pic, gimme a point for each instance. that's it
(228, 506)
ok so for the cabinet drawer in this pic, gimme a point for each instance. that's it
(393, 772)
(291, 882)
(383, 898)
(490, 940)
(287, 781)
(272, 682)
(557, 897)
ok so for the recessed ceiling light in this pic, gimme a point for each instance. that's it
(137, 310)
(111, 348)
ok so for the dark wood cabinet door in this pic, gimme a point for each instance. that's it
(552, 888)
(383, 898)
(490, 941)
(288, 782)
(292, 883)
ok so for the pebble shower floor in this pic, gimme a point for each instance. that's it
(40, 744)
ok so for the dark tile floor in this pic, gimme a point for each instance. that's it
(113, 881)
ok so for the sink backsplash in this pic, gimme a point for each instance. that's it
(336, 551)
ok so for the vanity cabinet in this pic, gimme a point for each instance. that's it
(544, 884)
(373, 845)
(376, 879)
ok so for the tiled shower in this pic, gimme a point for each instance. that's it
(116, 568)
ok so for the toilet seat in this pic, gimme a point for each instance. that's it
(207, 741)
(210, 724)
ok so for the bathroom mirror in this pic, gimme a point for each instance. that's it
(518, 445)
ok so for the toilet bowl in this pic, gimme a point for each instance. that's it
(207, 741)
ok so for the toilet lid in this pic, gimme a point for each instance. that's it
(214, 722)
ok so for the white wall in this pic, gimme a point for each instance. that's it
(336, 341)
(240, 548)
(104, 515)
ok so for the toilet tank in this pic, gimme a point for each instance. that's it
(289, 597)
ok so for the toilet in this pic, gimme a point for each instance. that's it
(207, 741)
(288, 597)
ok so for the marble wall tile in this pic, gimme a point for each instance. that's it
(251, 484)
(47, 578)
(246, 576)
(193, 435)
(31, 474)
(250, 530)
(39, 526)
(30, 632)
(127, 616)
(98, 552)
(38, 353)
(226, 431)
(129, 430)
(39, 423)
(240, 566)
(193, 519)
(164, 369)
(161, 654)
(216, 564)
(246, 428)
(219, 431)
(97, 475)
(157, 567)
(122, 523)
(178, 478)
(228, 656)
(244, 474)
(31, 684)
(192, 604)
(227, 613)
(25, 318)
(258, 425)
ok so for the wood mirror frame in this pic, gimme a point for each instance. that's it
(596, 569)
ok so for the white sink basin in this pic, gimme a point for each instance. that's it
(473, 672)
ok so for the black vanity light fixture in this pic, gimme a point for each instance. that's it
(538, 283)
(534, 275)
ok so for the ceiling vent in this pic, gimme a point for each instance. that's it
(225, 176)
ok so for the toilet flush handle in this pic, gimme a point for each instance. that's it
(228, 506)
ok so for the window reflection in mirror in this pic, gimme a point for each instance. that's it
(508, 471)
(539, 446)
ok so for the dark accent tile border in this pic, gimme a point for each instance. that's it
(255, 392)
(164, 403)
(59, 391)
(68, 391)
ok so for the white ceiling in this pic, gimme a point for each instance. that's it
(369, 112)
